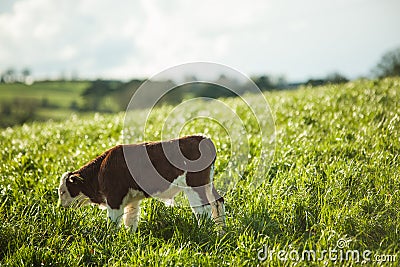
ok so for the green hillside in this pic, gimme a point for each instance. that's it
(58, 93)
(41, 101)
(335, 178)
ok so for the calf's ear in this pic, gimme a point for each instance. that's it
(74, 178)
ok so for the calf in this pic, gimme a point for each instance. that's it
(125, 174)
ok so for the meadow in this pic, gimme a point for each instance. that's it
(59, 93)
(333, 184)
(40, 101)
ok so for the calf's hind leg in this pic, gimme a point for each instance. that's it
(217, 206)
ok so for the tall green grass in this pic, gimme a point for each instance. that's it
(335, 174)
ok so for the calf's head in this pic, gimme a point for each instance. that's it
(70, 190)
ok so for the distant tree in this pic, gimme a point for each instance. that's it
(264, 82)
(26, 76)
(45, 102)
(9, 76)
(74, 105)
(96, 92)
(316, 82)
(176, 94)
(211, 90)
(389, 65)
(281, 82)
(26, 72)
(336, 78)
(5, 109)
(123, 94)
(18, 111)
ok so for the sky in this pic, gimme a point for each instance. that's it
(128, 39)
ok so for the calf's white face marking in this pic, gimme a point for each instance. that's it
(65, 197)
(63, 193)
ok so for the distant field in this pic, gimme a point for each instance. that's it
(60, 94)
(334, 184)
(40, 101)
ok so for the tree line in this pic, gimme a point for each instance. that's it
(113, 96)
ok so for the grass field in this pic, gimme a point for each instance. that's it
(335, 177)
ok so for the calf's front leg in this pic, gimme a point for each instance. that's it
(132, 215)
(115, 215)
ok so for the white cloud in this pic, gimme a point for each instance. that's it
(123, 39)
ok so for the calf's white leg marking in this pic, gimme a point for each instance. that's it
(132, 214)
(115, 214)
(214, 208)
(201, 210)
(129, 210)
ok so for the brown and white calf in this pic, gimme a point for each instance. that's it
(125, 174)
